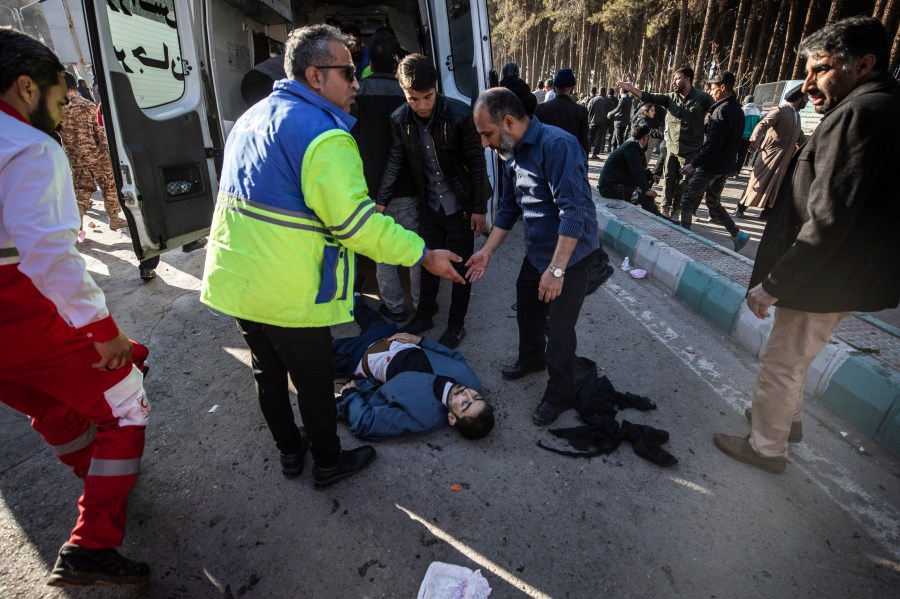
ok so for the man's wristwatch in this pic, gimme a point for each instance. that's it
(556, 271)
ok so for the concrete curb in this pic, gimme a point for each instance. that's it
(854, 385)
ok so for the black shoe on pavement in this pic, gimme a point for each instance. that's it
(194, 245)
(148, 274)
(545, 413)
(518, 370)
(392, 316)
(452, 336)
(350, 462)
(292, 463)
(79, 566)
(764, 215)
(738, 211)
(418, 325)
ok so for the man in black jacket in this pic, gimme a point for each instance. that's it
(830, 246)
(621, 118)
(436, 138)
(626, 171)
(379, 95)
(563, 112)
(511, 81)
(597, 122)
(709, 169)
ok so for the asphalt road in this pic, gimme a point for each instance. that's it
(214, 517)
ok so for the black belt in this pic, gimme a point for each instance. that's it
(9, 253)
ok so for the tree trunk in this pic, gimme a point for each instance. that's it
(733, 53)
(771, 59)
(699, 61)
(807, 29)
(680, 40)
(764, 36)
(748, 35)
(834, 13)
(895, 51)
(789, 42)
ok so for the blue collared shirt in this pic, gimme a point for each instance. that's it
(546, 182)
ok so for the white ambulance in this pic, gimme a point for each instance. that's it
(170, 73)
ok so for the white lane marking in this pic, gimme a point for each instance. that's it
(476, 557)
(880, 520)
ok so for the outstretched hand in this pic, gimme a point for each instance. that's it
(440, 263)
(477, 264)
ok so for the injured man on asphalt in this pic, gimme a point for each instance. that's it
(405, 384)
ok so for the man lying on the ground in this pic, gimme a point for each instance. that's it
(406, 385)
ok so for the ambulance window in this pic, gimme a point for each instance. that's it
(145, 40)
(459, 15)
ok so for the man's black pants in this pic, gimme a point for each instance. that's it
(551, 342)
(305, 355)
(449, 232)
(597, 138)
(623, 192)
(710, 184)
(620, 137)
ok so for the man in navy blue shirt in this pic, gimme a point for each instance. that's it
(545, 182)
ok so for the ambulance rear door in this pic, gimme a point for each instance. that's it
(149, 58)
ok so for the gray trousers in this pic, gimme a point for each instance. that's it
(405, 211)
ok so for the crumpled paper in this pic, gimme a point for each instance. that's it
(449, 581)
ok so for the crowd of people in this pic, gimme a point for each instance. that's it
(305, 187)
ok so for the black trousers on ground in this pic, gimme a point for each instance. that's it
(703, 182)
(597, 138)
(551, 341)
(305, 356)
(446, 232)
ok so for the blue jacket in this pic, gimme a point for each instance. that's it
(406, 404)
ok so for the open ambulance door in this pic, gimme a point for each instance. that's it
(462, 54)
(149, 59)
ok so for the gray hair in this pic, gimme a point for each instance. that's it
(308, 46)
(499, 102)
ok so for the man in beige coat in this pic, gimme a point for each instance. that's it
(777, 136)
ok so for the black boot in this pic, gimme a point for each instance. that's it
(79, 566)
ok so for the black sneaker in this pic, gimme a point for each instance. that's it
(418, 325)
(454, 334)
(292, 463)
(148, 274)
(392, 316)
(79, 566)
(350, 462)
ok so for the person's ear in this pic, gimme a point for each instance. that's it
(313, 77)
(451, 418)
(865, 65)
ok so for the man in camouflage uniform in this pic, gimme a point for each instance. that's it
(88, 152)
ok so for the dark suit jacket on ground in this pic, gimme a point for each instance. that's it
(564, 113)
(831, 243)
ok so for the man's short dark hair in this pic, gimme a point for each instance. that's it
(748, 99)
(548, 83)
(384, 52)
(851, 38)
(21, 54)
(602, 91)
(351, 29)
(640, 132)
(687, 72)
(70, 80)
(308, 46)
(499, 102)
(725, 78)
(417, 73)
(476, 427)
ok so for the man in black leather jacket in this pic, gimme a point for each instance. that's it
(436, 137)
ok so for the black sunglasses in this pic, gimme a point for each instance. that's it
(347, 70)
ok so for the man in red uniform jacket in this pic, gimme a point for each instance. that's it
(63, 360)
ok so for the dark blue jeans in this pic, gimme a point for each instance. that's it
(551, 341)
